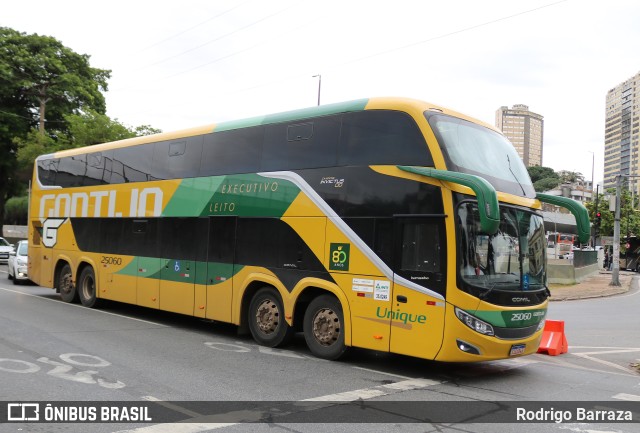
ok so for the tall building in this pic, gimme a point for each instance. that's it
(621, 133)
(524, 130)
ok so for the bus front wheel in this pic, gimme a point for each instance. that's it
(87, 287)
(266, 319)
(66, 287)
(323, 327)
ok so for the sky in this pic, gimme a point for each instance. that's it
(177, 65)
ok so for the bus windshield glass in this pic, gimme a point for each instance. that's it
(512, 259)
(477, 150)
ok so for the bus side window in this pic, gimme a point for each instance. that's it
(47, 169)
(177, 159)
(232, 152)
(133, 163)
(379, 137)
(71, 171)
(95, 169)
(311, 144)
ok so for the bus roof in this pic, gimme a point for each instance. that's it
(412, 106)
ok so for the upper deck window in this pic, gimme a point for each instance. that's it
(474, 149)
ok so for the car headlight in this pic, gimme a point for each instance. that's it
(474, 323)
(22, 262)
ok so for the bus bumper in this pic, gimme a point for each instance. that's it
(463, 344)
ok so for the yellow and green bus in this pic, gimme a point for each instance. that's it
(385, 223)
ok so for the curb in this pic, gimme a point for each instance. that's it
(605, 290)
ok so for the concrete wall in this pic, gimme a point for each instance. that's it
(563, 272)
(14, 234)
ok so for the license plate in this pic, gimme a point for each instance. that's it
(517, 349)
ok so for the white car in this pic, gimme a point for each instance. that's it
(5, 249)
(18, 263)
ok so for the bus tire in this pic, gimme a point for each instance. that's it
(324, 327)
(66, 287)
(87, 287)
(266, 319)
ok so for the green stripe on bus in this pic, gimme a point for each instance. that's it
(203, 273)
(238, 195)
(511, 319)
(288, 116)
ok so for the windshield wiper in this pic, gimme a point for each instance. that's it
(515, 177)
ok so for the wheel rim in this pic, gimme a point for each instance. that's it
(326, 327)
(66, 285)
(88, 287)
(267, 316)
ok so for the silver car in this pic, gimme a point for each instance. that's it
(5, 249)
(18, 263)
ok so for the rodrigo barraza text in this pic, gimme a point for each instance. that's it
(580, 414)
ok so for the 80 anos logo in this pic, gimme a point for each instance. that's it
(339, 257)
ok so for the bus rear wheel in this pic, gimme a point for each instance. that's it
(66, 287)
(323, 327)
(266, 319)
(87, 287)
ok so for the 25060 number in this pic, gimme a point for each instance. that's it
(515, 317)
(109, 260)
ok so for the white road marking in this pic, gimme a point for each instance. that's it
(382, 372)
(85, 308)
(195, 426)
(172, 406)
(603, 362)
(627, 397)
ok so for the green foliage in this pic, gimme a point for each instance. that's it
(570, 176)
(16, 210)
(538, 173)
(40, 79)
(629, 216)
(543, 178)
(546, 184)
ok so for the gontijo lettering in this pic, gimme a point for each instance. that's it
(142, 202)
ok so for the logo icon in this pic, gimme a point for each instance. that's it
(50, 231)
(23, 412)
(339, 260)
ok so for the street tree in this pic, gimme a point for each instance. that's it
(41, 82)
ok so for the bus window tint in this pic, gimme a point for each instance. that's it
(94, 174)
(135, 163)
(47, 169)
(234, 151)
(71, 170)
(382, 137)
(177, 159)
(311, 144)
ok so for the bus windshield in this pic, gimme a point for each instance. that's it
(477, 150)
(511, 259)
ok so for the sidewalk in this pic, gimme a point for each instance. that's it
(595, 286)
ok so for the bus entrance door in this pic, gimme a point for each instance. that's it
(417, 307)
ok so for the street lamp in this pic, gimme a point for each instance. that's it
(319, 85)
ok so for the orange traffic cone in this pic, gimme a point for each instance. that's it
(554, 342)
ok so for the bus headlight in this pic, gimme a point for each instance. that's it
(540, 325)
(474, 323)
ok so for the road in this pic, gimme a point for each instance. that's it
(52, 351)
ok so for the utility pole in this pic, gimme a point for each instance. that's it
(615, 270)
(319, 85)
